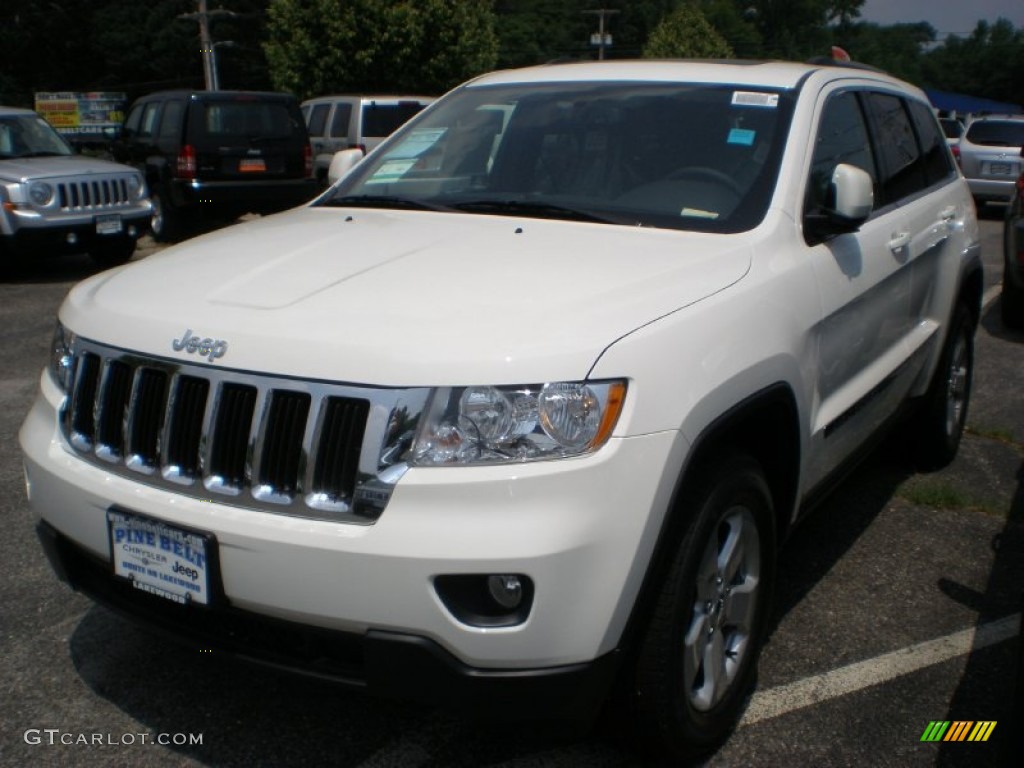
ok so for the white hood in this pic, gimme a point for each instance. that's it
(405, 298)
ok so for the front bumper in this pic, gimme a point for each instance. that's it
(35, 235)
(385, 663)
(992, 191)
(581, 530)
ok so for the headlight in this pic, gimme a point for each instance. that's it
(486, 425)
(61, 359)
(136, 189)
(41, 193)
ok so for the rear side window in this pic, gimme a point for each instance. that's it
(996, 133)
(244, 120)
(385, 119)
(937, 162)
(902, 164)
(318, 119)
(149, 114)
(842, 138)
(170, 123)
(340, 121)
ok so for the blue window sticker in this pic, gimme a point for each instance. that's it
(743, 136)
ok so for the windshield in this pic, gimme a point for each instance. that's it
(651, 154)
(30, 136)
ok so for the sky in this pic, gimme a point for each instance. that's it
(949, 17)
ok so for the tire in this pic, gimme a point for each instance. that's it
(165, 224)
(113, 254)
(697, 660)
(940, 425)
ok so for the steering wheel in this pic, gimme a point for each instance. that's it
(707, 174)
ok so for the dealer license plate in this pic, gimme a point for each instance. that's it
(109, 224)
(252, 165)
(161, 559)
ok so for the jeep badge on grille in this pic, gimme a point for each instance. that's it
(209, 348)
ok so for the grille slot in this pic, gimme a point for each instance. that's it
(110, 418)
(281, 457)
(314, 449)
(231, 431)
(337, 455)
(146, 419)
(186, 429)
(83, 416)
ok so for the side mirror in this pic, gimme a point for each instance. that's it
(851, 200)
(342, 164)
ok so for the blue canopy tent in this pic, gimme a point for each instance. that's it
(961, 104)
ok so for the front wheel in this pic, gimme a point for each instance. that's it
(165, 224)
(698, 657)
(941, 423)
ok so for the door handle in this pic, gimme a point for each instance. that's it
(948, 214)
(899, 241)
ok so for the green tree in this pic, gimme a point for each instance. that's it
(989, 63)
(897, 49)
(322, 46)
(685, 33)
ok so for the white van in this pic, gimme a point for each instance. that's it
(354, 122)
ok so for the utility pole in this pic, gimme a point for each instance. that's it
(206, 44)
(601, 39)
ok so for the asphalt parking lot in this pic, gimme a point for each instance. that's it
(898, 606)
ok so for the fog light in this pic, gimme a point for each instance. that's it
(486, 599)
(72, 238)
(506, 589)
(133, 231)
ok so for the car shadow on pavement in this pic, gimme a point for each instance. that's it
(253, 715)
(988, 668)
(49, 269)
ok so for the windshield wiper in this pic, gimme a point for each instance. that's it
(383, 201)
(43, 153)
(526, 208)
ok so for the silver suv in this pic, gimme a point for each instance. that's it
(990, 157)
(354, 122)
(52, 200)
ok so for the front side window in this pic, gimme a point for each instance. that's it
(842, 138)
(671, 155)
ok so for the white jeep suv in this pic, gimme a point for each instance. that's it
(525, 403)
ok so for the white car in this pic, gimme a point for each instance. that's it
(526, 403)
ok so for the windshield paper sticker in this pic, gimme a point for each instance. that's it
(752, 99)
(741, 136)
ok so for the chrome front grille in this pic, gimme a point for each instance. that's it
(93, 194)
(308, 448)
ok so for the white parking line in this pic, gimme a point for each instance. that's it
(863, 674)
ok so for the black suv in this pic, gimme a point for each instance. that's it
(214, 155)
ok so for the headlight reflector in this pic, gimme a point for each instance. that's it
(135, 186)
(488, 424)
(41, 193)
